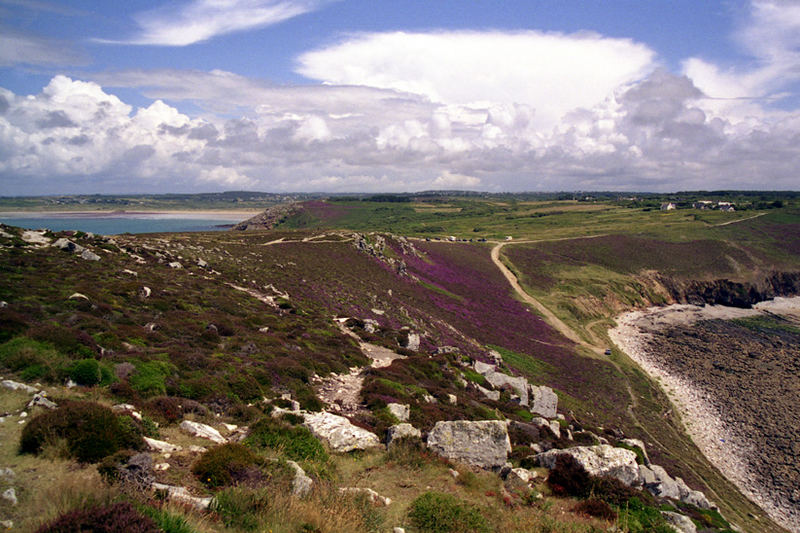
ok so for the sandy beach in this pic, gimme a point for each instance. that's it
(726, 448)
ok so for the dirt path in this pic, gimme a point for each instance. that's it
(737, 221)
(548, 315)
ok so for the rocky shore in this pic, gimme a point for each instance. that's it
(736, 388)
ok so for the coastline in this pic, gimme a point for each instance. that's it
(188, 213)
(722, 445)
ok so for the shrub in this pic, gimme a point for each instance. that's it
(115, 518)
(614, 491)
(149, 378)
(86, 372)
(296, 442)
(91, 431)
(34, 359)
(569, 478)
(436, 512)
(229, 464)
(165, 409)
(596, 508)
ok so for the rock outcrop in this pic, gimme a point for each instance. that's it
(600, 460)
(340, 434)
(202, 431)
(484, 443)
(401, 431)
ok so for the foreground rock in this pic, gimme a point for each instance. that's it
(17, 386)
(600, 460)
(401, 431)
(202, 431)
(301, 484)
(340, 434)
(182, 495)
(484, 443)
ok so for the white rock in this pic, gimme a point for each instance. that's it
(400, 411)
(40, 399)
(203, 431)
(175, 264)
(681, 523)
(161, 446)
(181, 495)
(10, 495)
(160, 467)
(7, 524)
(127, 409)
(543, 401)
(301, 484)
(7, 473)
(452, 398)
(600, 460)
(17, 386)
(491, 394)
(78, 296)
(146, 292)
(483, 443)
(519, 479)
(230, 427)
(400, 431)
(197, 449)
(340, 434)
(88, 255)
(71, 384)
(398, 530)
(23, 414)
(483, 368)
(373, 496)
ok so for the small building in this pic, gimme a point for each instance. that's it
(668, 207)
(727, 208)
(703, 204)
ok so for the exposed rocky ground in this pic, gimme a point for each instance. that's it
(737, 381)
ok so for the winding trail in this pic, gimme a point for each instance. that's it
(548, 315)
(573, 335)
(737, 221)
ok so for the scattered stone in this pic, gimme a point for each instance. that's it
(441, 350)
(71, 384)
(519, 479)
(7, 473)
(373, 496)
(194, 448)
(161, 467)
(230, 427)
(544, 401)
(379, 312)
(428, 399)
(182, 495)
(452, 398)
(264, 329)
(40, 399)
(483, 443)
(454, 473)
(400, 411)
(127, 409)
(398, 530)
(151, 327)
(17, 386)
(131, 272)
(491, 394)
(7, 524)
(370, 325)
(161, 446)
(146, 292)
(88, 255)
(10, 495)
(78, 296)
(483, 368)
(67, 245)
(600, 460)
(519, 384)
(410, 341)
(203, 431)
(681, 523)
(201, 263)
(401, 431)
(301, 484)
(340, 434)
(495, 357)
(175, 264)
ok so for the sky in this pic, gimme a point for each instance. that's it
(159, 96)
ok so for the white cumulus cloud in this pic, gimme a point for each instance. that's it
(550, 72)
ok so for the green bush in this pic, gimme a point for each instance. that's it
(436, 512)
(91, 431)
(150, 378)
(34, 359)
(229, 464)
(296, 442)
(86, 372)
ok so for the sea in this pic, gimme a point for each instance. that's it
(115, 223)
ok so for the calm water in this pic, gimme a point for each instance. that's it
(113, 224)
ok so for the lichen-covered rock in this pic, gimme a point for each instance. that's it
(88, 255)
(600, 460)
(372, 496)
(340, 434)
(519, 479)
(663, 486)
(161, 446)
(519, 384)
(400, 411)
(17, 386)
(40, 399)
(401, 431)
(301, 484)
(203, 431)
(483, 443)
(182, 495)
(543, 401)
(681, 523)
